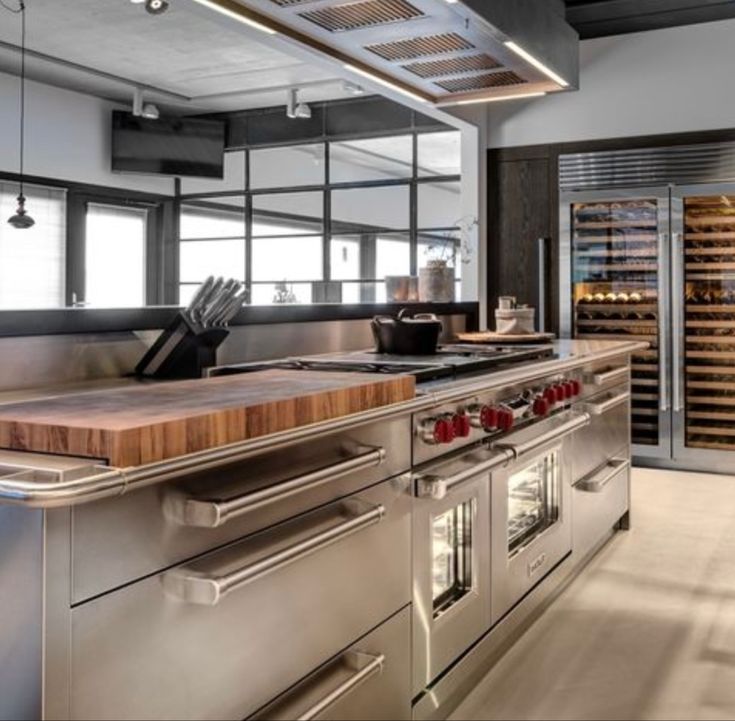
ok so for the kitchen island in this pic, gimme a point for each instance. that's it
(274, 576)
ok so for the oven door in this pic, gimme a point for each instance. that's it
(451, 556)
(531, 529)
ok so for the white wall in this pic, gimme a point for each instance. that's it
(663, 81)
(68, 137)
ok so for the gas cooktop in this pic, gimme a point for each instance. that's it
(450, 362)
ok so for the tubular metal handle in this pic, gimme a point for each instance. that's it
(542, 269)
(601, 479)
(577, 421)
(598, 409)
(663, 382)
(208, 590)
(192, 512)
(678, 325)
(373, 667)
(437, 487)
(600, 379)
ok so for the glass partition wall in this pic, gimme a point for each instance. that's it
(326, 222)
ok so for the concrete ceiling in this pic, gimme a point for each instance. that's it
(599, 18)
(202, 61)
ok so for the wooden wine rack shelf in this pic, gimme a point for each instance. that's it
(712, 385)
(626, 238)
(641, 412)
(711, 370)
(623, 267)
(711, 415)
(715, 235)
(724, 446)
(711, 339)
(711, 354)
(647, 325)
(724, 265)
(619, 336)
(615, 224)
(711, 324)
(711, 308)
(711, 431)
(723, 251)
(728, 401)
(624, 253)
(619, 308)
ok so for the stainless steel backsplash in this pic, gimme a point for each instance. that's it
(42, 361)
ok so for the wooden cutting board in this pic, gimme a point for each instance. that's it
(490, 337)
(148, 423)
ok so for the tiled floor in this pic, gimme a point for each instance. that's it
(647, 631)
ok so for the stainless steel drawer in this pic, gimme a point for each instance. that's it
(599, 502)
(607, 433)
(120, 540)
(367, 682)
(223, 635)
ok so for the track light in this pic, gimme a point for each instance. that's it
(154, 7)
(149, 111)
(296, 110)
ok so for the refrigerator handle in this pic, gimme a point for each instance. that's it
(677, 266)
(663, 364)
(543, 244)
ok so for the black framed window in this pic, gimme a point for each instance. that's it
(328, 221)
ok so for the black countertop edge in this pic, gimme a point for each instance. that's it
(75, 321)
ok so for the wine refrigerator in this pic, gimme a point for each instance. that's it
(657, 264)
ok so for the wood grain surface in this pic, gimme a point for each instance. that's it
(153, 422)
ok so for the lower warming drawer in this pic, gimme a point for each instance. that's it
(220, 637)
(370, 681)
(600, 500)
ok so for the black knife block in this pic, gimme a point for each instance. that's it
(184, 350)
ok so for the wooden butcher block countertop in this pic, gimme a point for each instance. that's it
(143, 424)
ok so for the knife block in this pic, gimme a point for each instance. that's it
(184, 350)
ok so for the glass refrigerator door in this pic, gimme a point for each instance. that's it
(704, 401)
(619, 289)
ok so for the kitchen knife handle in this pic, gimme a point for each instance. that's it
(209, 588)
(195, 513)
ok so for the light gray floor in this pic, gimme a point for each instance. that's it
(647, 631)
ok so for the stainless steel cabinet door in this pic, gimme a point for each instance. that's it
(219, 637)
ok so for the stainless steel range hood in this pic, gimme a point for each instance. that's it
(441, 51)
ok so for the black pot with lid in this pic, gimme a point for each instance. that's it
(407, 334)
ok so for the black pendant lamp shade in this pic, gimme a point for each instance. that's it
(21, 220)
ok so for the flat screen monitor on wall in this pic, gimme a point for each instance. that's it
(184, 147)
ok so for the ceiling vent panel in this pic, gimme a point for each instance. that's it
(291, 3)
(482, 82)
(453, 66)
(364, 14)
(414, 48)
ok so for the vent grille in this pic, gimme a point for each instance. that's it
(680, 165)
(482, 82)
(414, 48)
(453, 66)
(364, 14)
(289, 3)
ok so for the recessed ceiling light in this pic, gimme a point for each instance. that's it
(518, 50)
(236, 12)
(385, 83)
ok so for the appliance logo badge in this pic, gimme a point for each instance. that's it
(536, 564)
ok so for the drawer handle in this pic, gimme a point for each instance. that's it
(601, 479)
(208, 590)
(600, 379)
(599, 409)
(195, 513)
(373, 667)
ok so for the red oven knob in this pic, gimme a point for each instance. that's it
(550, 395)
(462, 425)
(541, 407)
(568, 390)
(560, 393)
(444, 431)
(489, 418)
(576, 388)
(506, 420)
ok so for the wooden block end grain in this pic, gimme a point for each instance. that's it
(154, 422)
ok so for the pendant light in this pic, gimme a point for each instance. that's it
(21, 220)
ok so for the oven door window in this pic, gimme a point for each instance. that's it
(533, 501)
(452, 556)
